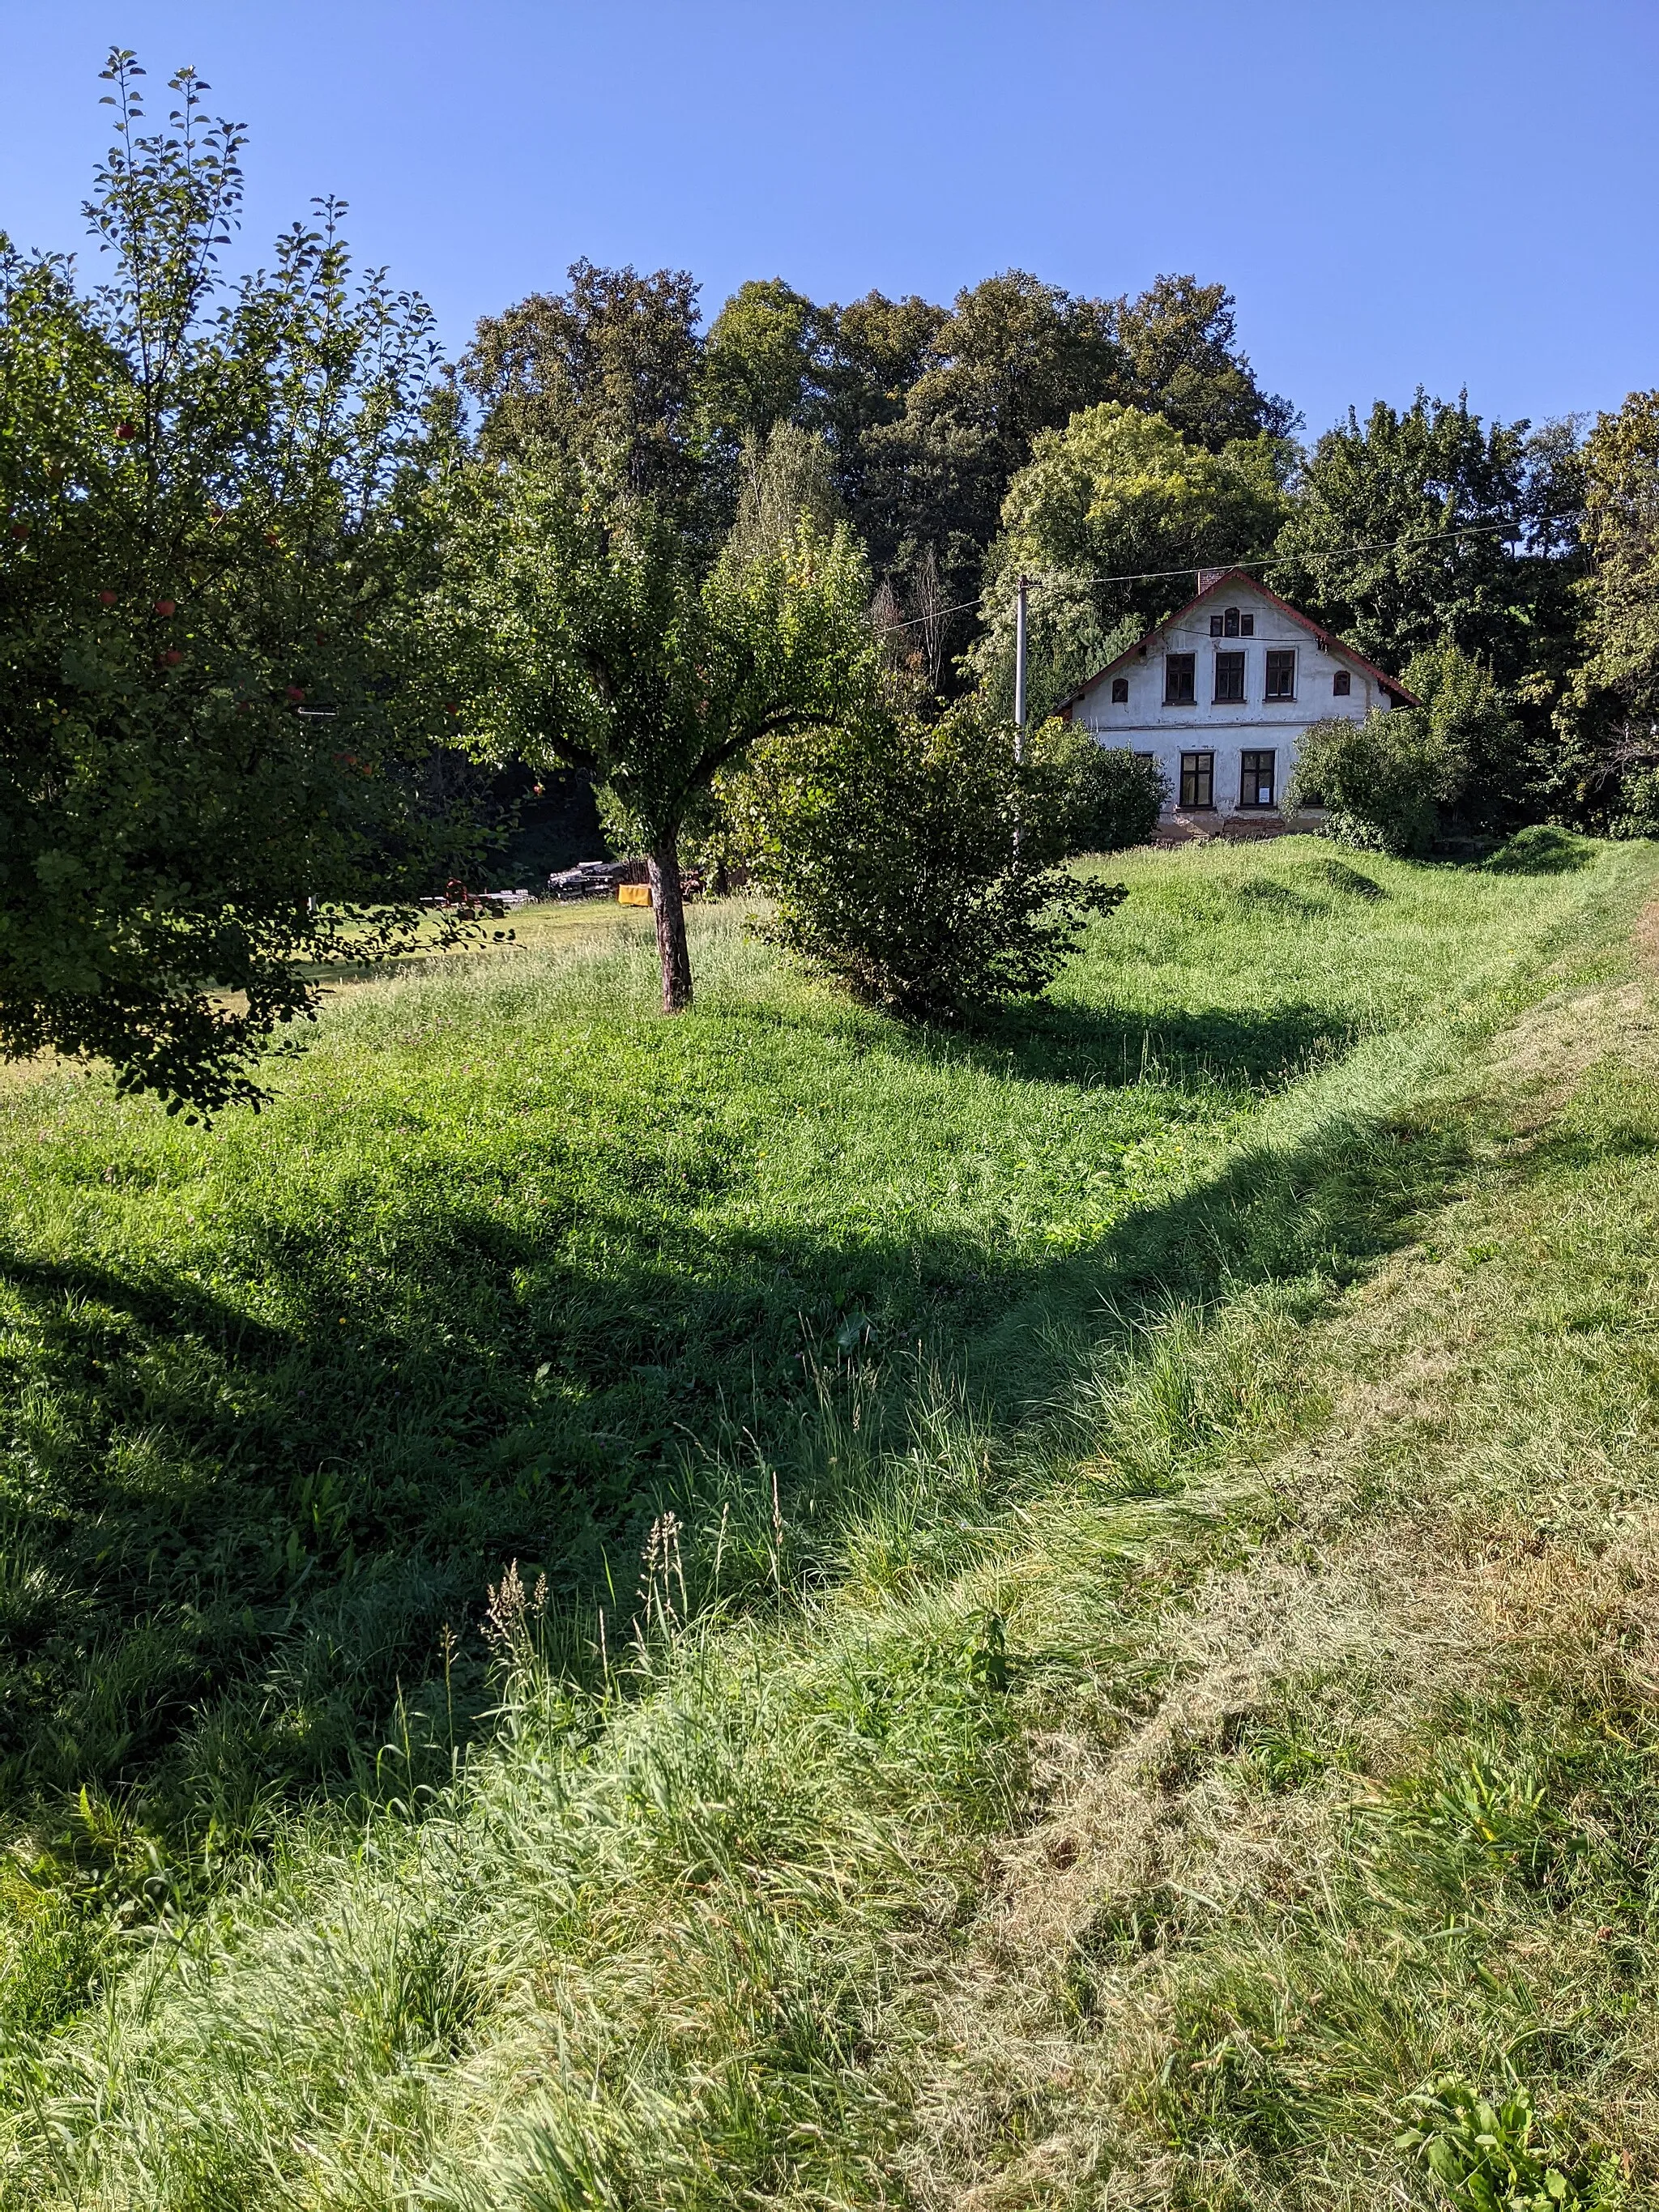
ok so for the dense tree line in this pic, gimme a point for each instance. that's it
(271, 568)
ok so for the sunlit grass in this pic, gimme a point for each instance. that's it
(956, 1358)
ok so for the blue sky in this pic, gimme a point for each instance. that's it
(1398, 192)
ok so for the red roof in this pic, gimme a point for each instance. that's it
(1234, 576)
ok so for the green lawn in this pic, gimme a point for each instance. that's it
(935, 1347)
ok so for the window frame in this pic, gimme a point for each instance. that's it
(1236, 660)
(1119, 691)
(1252, 781)
(1342, 683)
(1192, 776)
(1282, 654)
(1188, 662)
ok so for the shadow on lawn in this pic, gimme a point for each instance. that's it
(1052, 1042)
(237, 1544)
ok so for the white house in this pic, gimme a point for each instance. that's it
(1219, 694)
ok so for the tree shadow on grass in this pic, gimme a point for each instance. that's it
(232, 1546)
(1052, 1041)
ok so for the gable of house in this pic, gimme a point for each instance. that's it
(1220, 692)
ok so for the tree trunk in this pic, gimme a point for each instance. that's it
(669, 908)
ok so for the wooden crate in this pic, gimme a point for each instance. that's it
(633, 894)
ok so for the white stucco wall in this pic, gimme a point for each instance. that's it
(1145, 724)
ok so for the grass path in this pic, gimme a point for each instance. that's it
(1202, 1719)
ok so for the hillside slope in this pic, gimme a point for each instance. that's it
(1140, 1801)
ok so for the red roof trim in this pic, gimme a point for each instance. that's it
(1390, 683)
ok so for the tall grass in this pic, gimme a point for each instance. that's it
(864, 1807)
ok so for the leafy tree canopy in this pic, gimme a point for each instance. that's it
(758, 363)
(213, 697)
(590, 638)
(1426, 526)
(605, 373)
(1116, 494)
(1610, 719)
(1180, 359)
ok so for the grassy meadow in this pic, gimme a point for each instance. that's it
(768, 1610)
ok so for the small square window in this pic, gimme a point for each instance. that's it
(1198, 779)
(1342, 684)
(1120, 690)
(1178, 679)
(1255, 780)
(1229, 677)
(1281, 675)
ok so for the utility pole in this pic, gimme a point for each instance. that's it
(1019, 673)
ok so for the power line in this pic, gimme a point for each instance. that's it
(1252, 561)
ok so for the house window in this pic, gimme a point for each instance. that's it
(1120, 690)
(1229, 677)
(1198, 779)
(1342, 684)
(1178, 679)
(1281, 675)
(1233, 622)
(1255, 783)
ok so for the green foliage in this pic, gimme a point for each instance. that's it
(215, 518)
(913, 863)
(1116, 493)
(1638, 812)
(603, 374)
(1384, 780)
(1604, 729)
(1112, 799)
(1485, 2155)
(1182, 361)
(786, 475)
(757, 365)
(1474, 723)
(1408, 532)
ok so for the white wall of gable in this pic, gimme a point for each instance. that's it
(1147, 722)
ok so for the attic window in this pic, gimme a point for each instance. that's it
(1342, 684)
(1233, 622)
(1120, 690)
(1178, 679)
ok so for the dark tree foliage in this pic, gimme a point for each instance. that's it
(605, 373)
(1016, 357)
(213, 699)
(1180, 361)
(1467, 535)
(1608, 724)
(929, 414)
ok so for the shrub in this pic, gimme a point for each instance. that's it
(916, 865)
(1639, 816)
(1384, 780)
(1479, 730)
(1543, 850)
(1112, 798)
